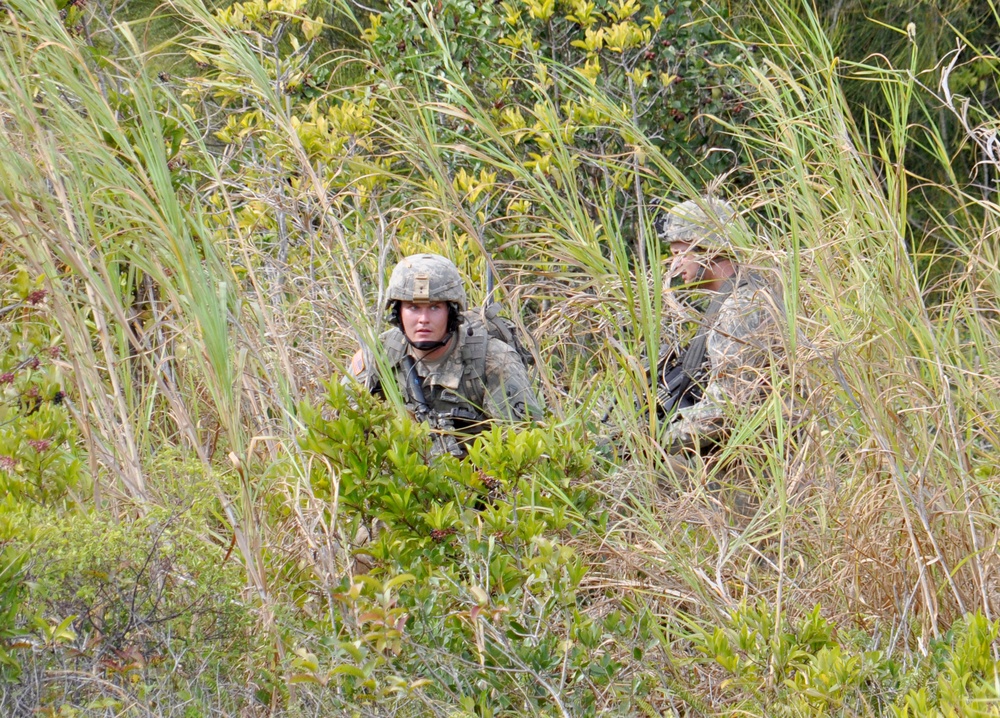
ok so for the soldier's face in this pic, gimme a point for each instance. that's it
(424, 321)
(687, 264)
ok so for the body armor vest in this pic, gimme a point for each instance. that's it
(454, 389)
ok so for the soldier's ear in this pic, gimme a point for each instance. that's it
(454, 317)
(394, 318)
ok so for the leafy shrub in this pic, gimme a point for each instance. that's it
(135, 610)
(472, 595)
(807, 670)
(13, 593)
(663, 64)
(39, 456)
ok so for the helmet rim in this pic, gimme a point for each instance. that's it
(698, 223)
(427, 277)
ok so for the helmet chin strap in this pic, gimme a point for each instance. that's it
(429, 346)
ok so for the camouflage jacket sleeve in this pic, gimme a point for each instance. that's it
(740, 346)
(508, 394)
(363, 371)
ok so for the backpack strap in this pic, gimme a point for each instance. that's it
(502, 328)
(674, 386)
(394, 344)
(694, 355)
(474, 340)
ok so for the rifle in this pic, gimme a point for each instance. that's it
(677, 387)
(679, 377)
(441, 426)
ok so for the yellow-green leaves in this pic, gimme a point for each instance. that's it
(584, 13)
(518, 207)
(656, 19)
(541, 10)
(472, 186)
(370, 33)
(518, 40)
(587, 112)
(625, 35)
(624, 9)
(238, 127)
(593, 40)
(513, 118)
(591, 70)
(312, 28)
(639, 76)
(260, 15)
(512, 13)
(328, 133)
(539, 164)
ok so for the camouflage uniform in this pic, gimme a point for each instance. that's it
(480, 376)
(741, 344)
(743, 337)
(479, 380)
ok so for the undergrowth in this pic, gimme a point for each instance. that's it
(198, 518)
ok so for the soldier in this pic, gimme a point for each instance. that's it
(449, 369)
(739, 338)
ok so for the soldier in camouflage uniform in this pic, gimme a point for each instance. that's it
(741, 331)
(441, 350)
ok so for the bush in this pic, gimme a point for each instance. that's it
(39, 446)
(471, 595)
(666, 66)
(113, 613)
(807, 669)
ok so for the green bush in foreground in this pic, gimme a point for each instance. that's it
(112, 615)
(806, 669)
(465, 588)
(473, 595)
(39, 452)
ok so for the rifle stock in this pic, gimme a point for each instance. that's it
(675, 390)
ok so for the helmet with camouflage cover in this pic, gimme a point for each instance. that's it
(699, 224)
(426, 278)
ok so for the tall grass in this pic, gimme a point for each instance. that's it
(870, 468)
(894, 410)
(868, 461)
(135, 274)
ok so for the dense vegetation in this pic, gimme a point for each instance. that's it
(198, 209)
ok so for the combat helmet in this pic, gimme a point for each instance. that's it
(426, 278)
(698, 224)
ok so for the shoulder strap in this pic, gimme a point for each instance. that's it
(394, 345)
(475, 337)
(694, 355)
(502, 328)
(676, 383)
